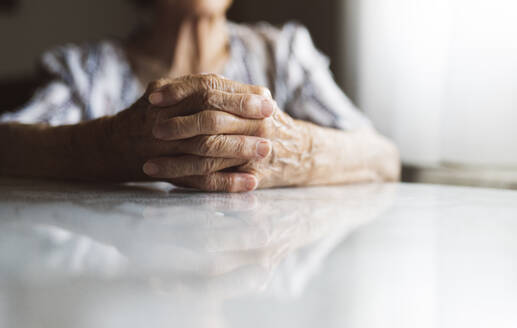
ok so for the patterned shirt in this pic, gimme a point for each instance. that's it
(94, 80)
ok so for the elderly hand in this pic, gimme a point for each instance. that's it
(132, 141)
(287, 164)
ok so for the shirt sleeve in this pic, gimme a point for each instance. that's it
(57, 102)
(310, 89)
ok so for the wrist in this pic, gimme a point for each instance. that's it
(111, 161)
(118, 151)
(90, 148)
(309, 152)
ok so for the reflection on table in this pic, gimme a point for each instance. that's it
(151, 255)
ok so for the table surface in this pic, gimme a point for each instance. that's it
(148, 255)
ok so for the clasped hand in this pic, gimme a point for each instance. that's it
(213, 134)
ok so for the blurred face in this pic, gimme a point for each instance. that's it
(196, 7)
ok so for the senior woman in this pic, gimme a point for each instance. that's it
(276, 118)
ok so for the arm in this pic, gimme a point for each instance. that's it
(353, 151)
(64, 152)
(350, 157)
(114, 148)
(301, 153)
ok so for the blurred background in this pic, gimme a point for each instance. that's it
(439, 77)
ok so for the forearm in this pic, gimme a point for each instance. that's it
(350, 157)
(63, 152)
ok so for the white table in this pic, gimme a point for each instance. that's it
(82, 255)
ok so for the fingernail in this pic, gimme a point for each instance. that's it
(267, 108)
(263, 148)
(151, 169)
(246, 183)
(251, 183)
(156, 98)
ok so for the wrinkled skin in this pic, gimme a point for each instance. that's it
(214, 134)
(286, 164)
(132, 140)
(290, 158)
(224, 133)
(200, 131)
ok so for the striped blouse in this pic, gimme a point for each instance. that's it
(94, 80)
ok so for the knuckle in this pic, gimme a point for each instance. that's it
(187, 85)
(208, 165)
(245, 102)
(162, 82)
(240, 145)
(208, 97)
(190, 78)
(173, 90)
(218, 143)
(209, 121)
(199, 121)
(212, 76)
(207, 144)
(210, 81)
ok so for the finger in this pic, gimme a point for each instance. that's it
(226, 146)
(241, 104)
(185, 87)
(181, 166)
(206, 123)
(220, 181)
(156, 85)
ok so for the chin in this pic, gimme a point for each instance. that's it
(202, 7)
